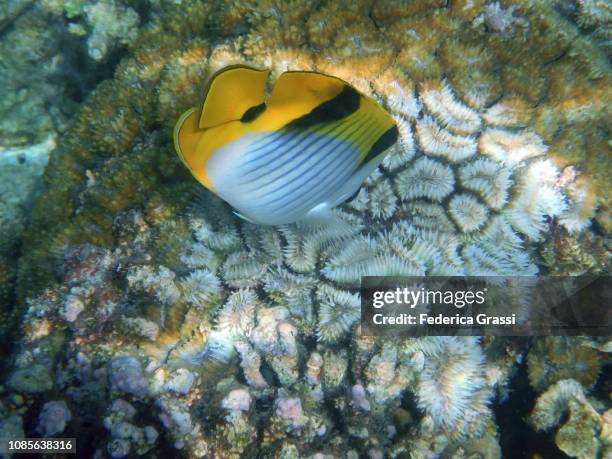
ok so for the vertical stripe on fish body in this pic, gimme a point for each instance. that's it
(294, 156)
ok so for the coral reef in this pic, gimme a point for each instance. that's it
(45, 71)
(552, 359)
(31, 58)
(53, 418)
(20, 172)
(20, 169)
(110, 24)
(151, 306)
(564, 370)
(44, 76)
(594, 18)
(585, 431)
(107, 24)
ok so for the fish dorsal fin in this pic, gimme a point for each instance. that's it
(230, 93)
(309, 89)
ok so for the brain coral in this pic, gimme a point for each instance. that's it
(171, 276)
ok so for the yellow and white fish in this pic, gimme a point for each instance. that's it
(294, 156)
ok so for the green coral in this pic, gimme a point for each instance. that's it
(73, 8)
(35, 378)
(571, 255)
(552, 359)
(578, 436)
(581, 430)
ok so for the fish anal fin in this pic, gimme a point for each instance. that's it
(230, 93)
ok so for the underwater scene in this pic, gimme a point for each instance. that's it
(193, 194)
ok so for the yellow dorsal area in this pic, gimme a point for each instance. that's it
(309, 90)
(294, 95)
(378, 118)
(230, 93)
(297, 93)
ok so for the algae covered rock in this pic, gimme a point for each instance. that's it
(32, 379)
(20, 172)
(46, 72)
(53, 418)
(580, 432)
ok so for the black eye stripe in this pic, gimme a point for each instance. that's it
(253, 113)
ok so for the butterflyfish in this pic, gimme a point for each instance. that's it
(293, 155)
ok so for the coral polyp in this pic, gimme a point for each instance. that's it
(452, 387)
(426, 179)
(451, 113)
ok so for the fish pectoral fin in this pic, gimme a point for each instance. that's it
(323, 214)
(353, 184)
(230, 93)
(244, 217)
